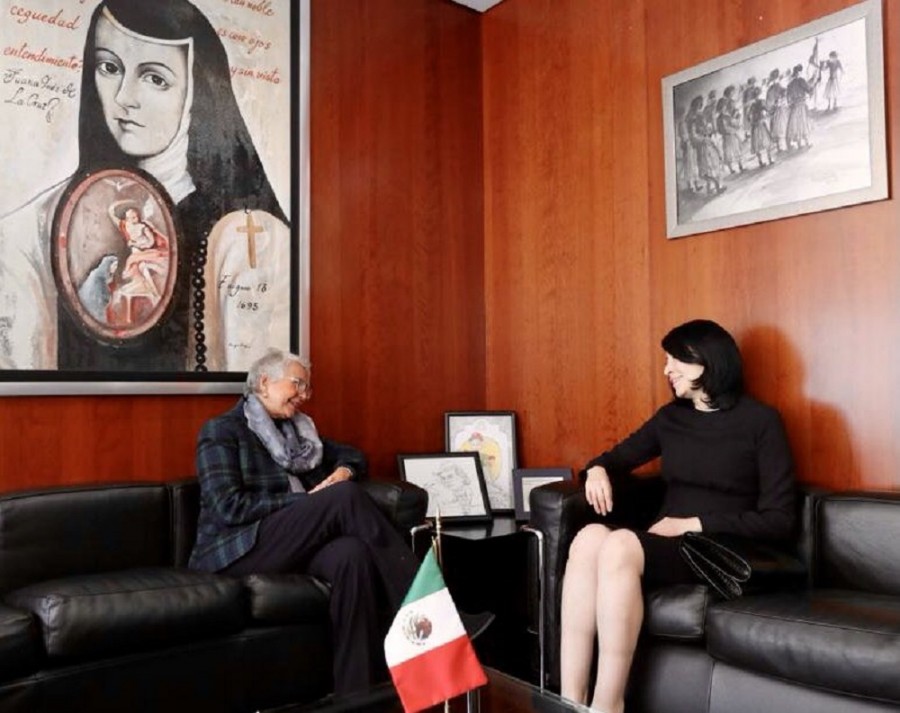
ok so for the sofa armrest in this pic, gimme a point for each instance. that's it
(20, 647)
(403, 503)
(184, 503)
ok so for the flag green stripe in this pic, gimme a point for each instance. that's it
(428, 579)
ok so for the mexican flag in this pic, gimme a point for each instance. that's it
(427, 649)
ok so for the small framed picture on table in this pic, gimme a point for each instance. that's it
(492, 435)
(454, 483)
(527, 479)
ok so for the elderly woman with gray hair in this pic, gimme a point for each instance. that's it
(276, 497)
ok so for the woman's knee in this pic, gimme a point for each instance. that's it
(587, 543)
(622, 551)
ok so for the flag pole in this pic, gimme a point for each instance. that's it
(436, 542)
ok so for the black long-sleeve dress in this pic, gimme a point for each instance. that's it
(731, 468)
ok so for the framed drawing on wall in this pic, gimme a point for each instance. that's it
(154, 236)
(527, 479)
(491, 434)
(790, 125)
(454, 482)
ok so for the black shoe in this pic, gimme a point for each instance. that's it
(475, 624)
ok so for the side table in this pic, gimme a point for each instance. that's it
(487, 567)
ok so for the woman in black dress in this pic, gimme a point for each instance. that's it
(728, 470)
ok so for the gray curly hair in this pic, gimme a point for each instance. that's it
(272, 364)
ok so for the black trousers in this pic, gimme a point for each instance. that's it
(339, 535)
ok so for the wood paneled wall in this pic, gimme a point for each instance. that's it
(566, 255)
(74, 439)
(582, 283)
(397, 206)
(488, 231)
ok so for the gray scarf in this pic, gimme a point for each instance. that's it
(294, 445)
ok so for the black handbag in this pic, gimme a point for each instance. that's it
(718, 566)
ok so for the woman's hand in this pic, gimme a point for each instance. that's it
(675, 526)
(598, 490)
(340, 474)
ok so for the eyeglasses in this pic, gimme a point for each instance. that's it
(302, 386)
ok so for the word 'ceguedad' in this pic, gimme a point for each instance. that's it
(41, 56)
(266, 75)
(24, 14)
(263, 7)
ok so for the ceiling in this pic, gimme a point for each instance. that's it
(480, 5)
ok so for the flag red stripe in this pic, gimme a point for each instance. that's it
(439, 674)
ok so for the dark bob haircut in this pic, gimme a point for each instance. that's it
(704, 342)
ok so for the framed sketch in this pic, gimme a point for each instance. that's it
(454, 482)
(154, 236)
(527, 479)
(790, 125)
(491, 434)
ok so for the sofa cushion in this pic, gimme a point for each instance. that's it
(676, 612)
(130, 610)
(287, 598)
(835, 639)
(19, 643)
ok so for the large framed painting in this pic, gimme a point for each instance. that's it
(790, 125)
(154, 193)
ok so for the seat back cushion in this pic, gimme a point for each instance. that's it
(59, 532)
(858, 542)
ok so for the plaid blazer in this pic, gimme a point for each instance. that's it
(240, 484)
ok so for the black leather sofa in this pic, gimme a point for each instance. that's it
(98, 612)
(818, 628)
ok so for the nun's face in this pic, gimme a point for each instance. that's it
(142, 85)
